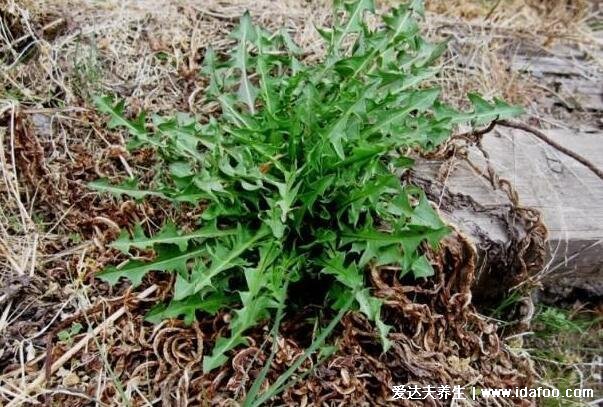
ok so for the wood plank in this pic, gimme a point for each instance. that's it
(586, 94)
(553, 65)
(568, 195)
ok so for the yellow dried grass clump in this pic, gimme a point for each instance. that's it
(149, 52)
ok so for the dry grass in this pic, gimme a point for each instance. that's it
(56, 54)
(566, 346)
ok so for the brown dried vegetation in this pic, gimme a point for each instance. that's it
(54, 230)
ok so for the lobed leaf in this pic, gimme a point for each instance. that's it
(167, 260)
(300, 169)
(169, 234)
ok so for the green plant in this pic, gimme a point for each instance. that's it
(555, 321)
(87, 70)
(565, 345)
(66, 335)
(298, 171)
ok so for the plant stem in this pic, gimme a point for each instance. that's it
(278, 386)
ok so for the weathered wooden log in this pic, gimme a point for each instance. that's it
(568, 195)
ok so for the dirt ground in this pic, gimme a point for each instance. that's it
(67, 338)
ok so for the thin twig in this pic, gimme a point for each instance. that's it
(77, 347)
(475, 134)
(521, 126)
(47, 27)
(491, 12)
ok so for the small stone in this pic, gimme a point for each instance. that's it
(459, 364)
(62, 372)
(345, 376)
(71, 380)
(31, 352)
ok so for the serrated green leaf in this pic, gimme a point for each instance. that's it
(483, 111)
(245, 33)
(181, 169)
(129, 188)
(424, 215)
(354, 22)
(274, 221)
(218, 356)
(135, 270)
(169, 234)
(422, 268)
(419, 100)
(135, 127)
(188, 307)
(349, 275)
(303, 160)
(116, 110)
(253, 309)
(223, 259)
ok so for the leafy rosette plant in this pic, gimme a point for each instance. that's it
(298, 171)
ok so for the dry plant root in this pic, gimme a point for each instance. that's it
(438, 335)
(77, 347)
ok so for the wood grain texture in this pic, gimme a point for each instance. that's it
(568, 195)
